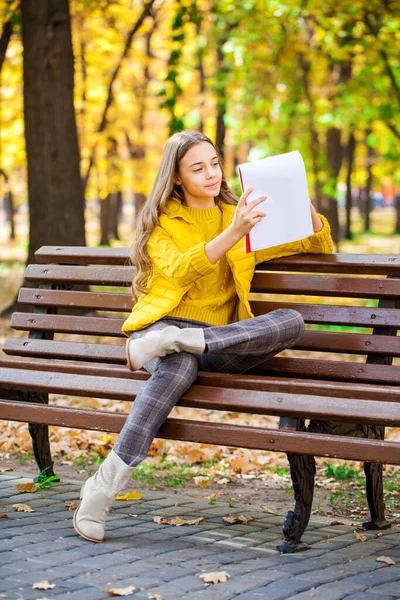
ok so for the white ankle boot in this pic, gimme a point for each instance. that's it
(97, 496)
(161, 342)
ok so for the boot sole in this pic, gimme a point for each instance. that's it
(79, 532)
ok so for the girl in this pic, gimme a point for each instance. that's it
(192, 308)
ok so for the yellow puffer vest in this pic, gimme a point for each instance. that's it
(176, 249)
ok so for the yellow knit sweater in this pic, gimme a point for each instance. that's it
(176, 250)
(212, 298)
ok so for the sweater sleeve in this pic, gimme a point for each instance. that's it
(319, 242)
(180, 268)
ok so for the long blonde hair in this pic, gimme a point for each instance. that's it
(164, 188)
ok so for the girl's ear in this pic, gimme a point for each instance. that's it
(177, 180)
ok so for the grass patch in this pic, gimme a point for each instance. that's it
(168, 474)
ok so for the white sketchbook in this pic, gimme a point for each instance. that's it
(282, 179)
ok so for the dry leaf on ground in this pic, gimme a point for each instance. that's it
(268, 510)
(231, 520)
(154, 596)
(134, 495)
(5, 469)
(177, 521)
(133, 515)
(25, 488)
(160, 520)
(22, 508)
(202, 480)
(336, 523)
(121, 591)
(4, 516)
(360, 537)
(70, 505)
(216, 577)
(212, 497)
(43, 585)
(385, 559)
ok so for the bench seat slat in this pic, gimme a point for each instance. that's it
(211, 398)
(110, 353)
(276, 283)
(379, 264)
(353, 316)
(333, 369)
(354, 343)
(247, 381)
(213, 433)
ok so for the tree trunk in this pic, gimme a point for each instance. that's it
(314, 141)
(10, 212)
(202, 77)
(350, 161)
(334, 154)
(115, 214)
(397, 206)
(56, 202)
(9, 207)
(105, 208)
(221, 101)
(367, 191)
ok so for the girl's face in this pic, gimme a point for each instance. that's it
(200, 175)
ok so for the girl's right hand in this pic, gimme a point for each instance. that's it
(245, 216)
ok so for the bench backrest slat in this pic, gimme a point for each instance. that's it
(353, 316)
(276, 283)
(378, 264)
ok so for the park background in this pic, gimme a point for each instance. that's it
(90, 90)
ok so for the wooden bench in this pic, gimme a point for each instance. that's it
(348, 403)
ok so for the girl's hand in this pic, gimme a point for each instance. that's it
(245, 216)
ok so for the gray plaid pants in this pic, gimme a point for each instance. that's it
(233, 348)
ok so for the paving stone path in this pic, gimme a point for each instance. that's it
(168, 560)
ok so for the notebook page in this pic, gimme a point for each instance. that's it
(282, 179)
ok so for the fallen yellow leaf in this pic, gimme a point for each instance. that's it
(70, 505)
(385, 559)
(268, 510)
(240, 519)
(130, 496)
(4, 516)
(360, 537)
(121, 591)
(178, 521)
(5, 469)
(25, 488)
(22, 508)
(160, 520)
(43, 585)
(216, 577)
(202, 480)
(336, 523)
(231, 519)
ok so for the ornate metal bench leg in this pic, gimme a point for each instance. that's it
(374, 488)
(40, 439)
(302, 470)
